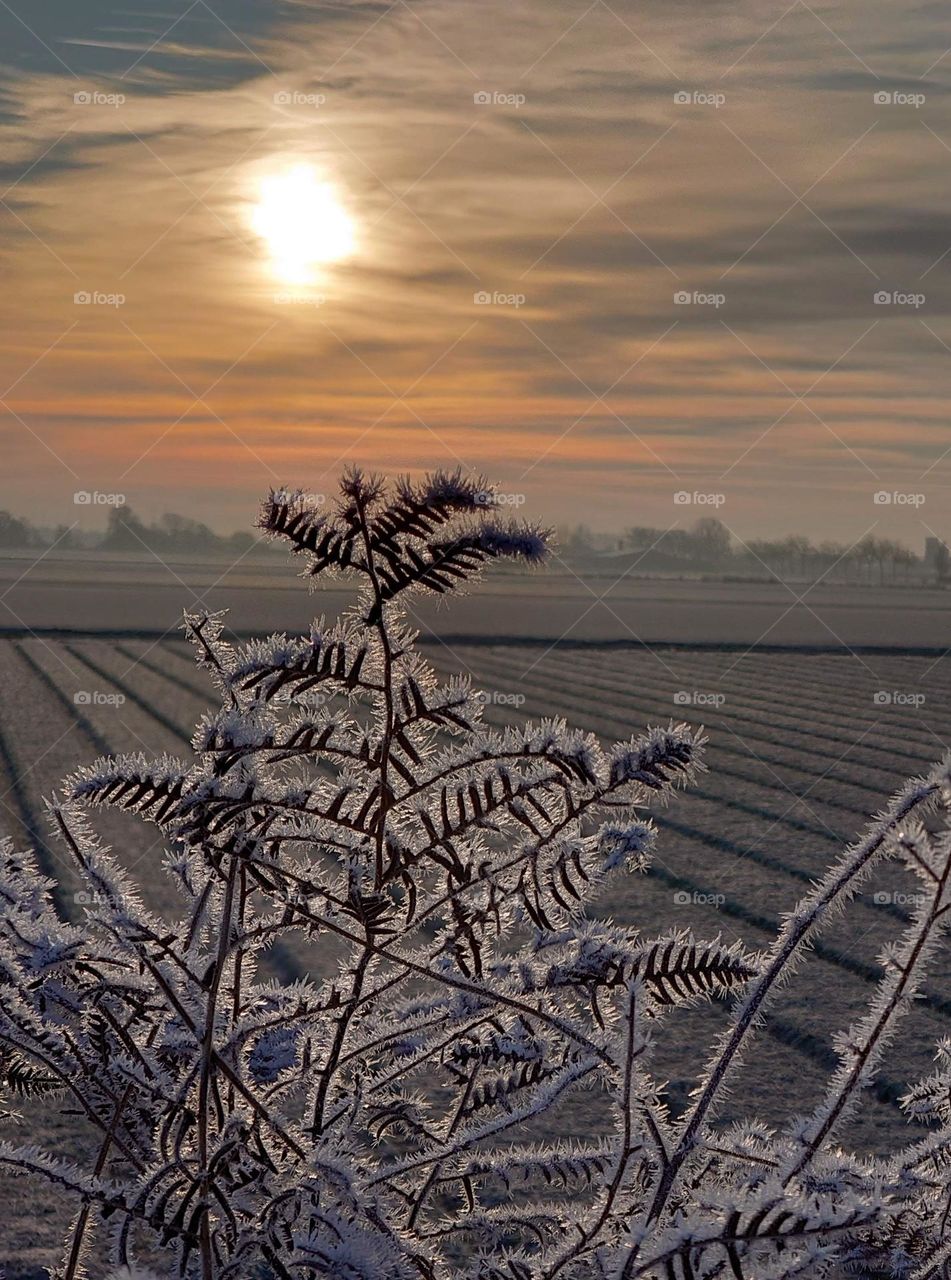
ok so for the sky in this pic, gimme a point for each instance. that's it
(608, 254)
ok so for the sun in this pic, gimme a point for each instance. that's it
(303, 223)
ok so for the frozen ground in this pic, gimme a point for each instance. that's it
(804, 747)
(121, 593)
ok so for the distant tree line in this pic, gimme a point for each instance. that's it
(125, 531)
(170, 533)
(708, 546)
(15, 532)
(871, 559)
(707, 542)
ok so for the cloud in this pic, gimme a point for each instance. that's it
(578, 168)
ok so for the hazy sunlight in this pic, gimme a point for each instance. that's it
(302, 222)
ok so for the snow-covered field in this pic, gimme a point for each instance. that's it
(803, 748)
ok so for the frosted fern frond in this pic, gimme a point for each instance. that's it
(21, 1080)
(446, 564)
(330, 541)
(418, 511)
(659, 759)
(677, 969)
(930, 1099)
(152, 789)
(212, 653)
(393, 987)
(333, 658)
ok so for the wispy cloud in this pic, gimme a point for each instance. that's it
(534, 191)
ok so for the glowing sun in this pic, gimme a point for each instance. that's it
(302, 222)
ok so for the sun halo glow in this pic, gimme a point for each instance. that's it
(302, 222)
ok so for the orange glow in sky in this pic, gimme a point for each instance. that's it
(604, 257)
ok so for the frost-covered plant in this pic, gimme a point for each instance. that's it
(396, 1111)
